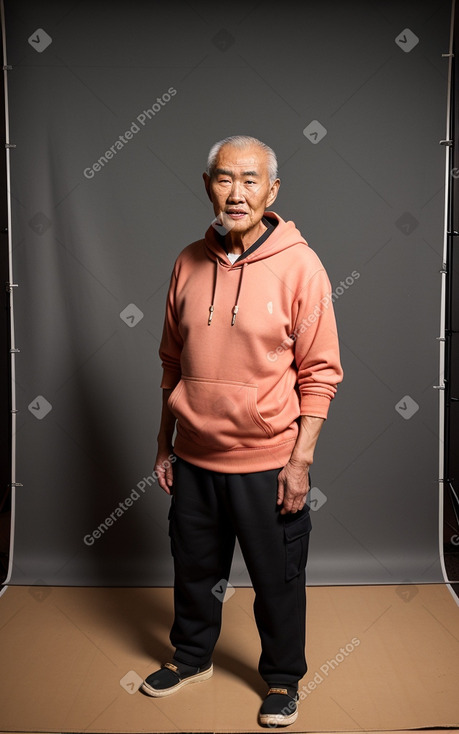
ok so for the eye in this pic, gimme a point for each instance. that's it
(250, 182)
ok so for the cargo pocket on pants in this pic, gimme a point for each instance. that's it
(296, 538)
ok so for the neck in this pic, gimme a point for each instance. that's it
(239, 242)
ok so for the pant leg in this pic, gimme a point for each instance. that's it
(275, 549)
(202, 544)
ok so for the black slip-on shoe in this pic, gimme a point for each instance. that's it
(279, 708)
(171, 677)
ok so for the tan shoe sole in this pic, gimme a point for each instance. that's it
(274, 720)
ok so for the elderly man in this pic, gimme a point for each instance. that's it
(250, 363)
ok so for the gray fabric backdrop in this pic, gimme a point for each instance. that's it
(352, 96)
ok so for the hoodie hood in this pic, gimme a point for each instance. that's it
(284, 235)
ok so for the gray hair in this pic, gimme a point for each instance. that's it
(242, 141)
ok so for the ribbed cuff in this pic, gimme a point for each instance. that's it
(316, 406)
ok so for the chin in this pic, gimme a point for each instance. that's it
(239, 227)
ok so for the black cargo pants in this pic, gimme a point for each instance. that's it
(208, 510)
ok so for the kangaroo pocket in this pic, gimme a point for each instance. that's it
(218, 414)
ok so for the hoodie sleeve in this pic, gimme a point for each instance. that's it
(171, 345)
(316, 347)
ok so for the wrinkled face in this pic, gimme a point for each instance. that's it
(240, 189)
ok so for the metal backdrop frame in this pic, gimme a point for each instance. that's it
(445, 338)
(10, 286)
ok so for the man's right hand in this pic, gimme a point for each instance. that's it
(164, 471)
(163, 466)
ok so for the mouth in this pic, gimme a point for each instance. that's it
(236, 213)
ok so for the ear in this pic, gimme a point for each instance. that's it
(272, 196)
(206, 178)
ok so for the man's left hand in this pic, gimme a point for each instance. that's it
(292, 486)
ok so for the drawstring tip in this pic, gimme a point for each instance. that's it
(235, 310)
(211, 311)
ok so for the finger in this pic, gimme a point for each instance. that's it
(300, 505)
(164, 486)
(169, 476)
(162, 479)
(280, 492)
(287, 505)
(294, 504)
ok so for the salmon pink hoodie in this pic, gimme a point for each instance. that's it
(247, 348)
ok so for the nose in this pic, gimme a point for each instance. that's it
(235, 195)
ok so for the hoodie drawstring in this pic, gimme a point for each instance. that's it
(214, 291)
(236, 306)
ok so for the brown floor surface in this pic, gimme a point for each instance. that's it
(381, 658)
